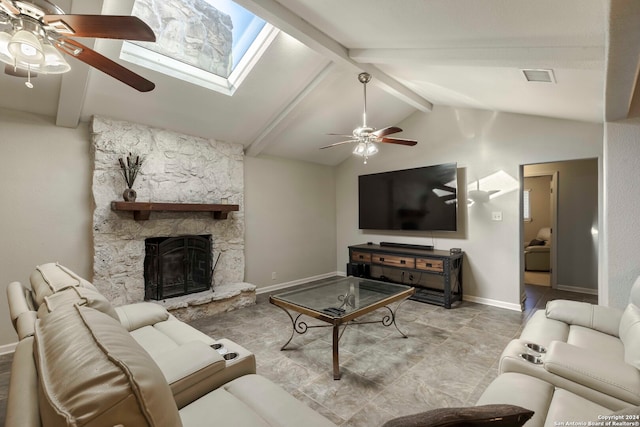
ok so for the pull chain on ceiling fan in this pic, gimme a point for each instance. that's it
(34, 33)
(367, 137)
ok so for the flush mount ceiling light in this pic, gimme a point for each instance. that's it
(34, 33)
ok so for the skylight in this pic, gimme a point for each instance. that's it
(211, 43)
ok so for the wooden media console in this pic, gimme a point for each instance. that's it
(436, 274)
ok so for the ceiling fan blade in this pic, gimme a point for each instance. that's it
(386, 131)
(409, 142)
(18, 72)
(338, 143)
(104, 64)
(101, 26)
(9, 7)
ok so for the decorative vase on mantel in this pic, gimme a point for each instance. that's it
(129, 167)
(129, 195)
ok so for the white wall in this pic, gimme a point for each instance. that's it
(290, 220)
(481, 142)
(46, 202)
(622, 205)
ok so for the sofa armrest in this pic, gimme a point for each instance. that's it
(136, 316)
(22, 401)
(610, 376)
(189, 370)
(20, 300)
(26, 324)
(538, 249)
(598, 317)
(188, 359)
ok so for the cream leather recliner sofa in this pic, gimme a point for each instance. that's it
(81, 361)
(574, 362)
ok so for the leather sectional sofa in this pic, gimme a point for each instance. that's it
(575, 363)
(80, 361)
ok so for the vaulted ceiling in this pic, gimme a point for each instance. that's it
(421, 53)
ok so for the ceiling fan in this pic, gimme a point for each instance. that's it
(365, 136)
(33, 31)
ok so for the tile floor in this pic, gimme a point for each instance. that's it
(448, 359)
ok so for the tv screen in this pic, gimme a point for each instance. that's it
(412, 199)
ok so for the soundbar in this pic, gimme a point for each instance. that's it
(407, 246)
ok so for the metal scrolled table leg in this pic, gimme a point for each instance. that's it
(391, 318)
(299, 327)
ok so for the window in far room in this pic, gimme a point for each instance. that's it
(526, 205)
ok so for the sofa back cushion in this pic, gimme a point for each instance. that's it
(47, 279)
(66, 298)
(630, 334)
(91, 372)
(544, 234)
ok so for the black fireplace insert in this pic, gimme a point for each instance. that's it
(175, 266)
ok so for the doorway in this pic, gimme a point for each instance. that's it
(540, 219)
(568, 226)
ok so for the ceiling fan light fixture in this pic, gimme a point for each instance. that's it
(365, 149)
(360, 149)
(54, 62)
(25, 47)
(371, 149)
(365, 136)
(5, 55)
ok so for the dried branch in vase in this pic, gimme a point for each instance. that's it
(129, 167)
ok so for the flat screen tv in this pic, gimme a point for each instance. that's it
(422, 199)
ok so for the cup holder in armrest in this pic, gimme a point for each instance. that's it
(219, 348)
(230, 356)
(536, 347)
(536, 360)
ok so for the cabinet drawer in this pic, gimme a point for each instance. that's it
(360, 256)
(429, 264)
(394, 261)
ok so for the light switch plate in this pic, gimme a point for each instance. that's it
(496, 216)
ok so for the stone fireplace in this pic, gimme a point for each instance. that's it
(176, 169)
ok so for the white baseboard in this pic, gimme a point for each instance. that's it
(578, 289)
(493, 302)
(8, 348)
(280, 286)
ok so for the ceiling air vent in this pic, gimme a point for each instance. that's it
(539, 75)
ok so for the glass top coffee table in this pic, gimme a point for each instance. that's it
(340, 302)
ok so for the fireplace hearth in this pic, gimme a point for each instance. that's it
(176, 266)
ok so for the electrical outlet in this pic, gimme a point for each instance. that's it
(496, 216)
(274, 276)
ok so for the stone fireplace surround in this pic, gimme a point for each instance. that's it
(178, 169)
